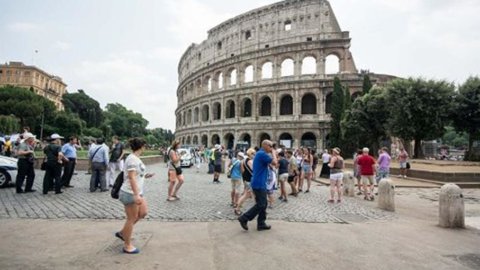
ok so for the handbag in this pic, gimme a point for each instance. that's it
(117, 185)
(408, 166)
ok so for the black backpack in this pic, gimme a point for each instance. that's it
(118, 184)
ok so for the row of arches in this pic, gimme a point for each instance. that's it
(307, 139)
(266, 70)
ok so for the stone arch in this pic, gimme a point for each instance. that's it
(217, 111)
(183, 140)
(229, 140)
(332, 64)
(195, 140)
(215, 139)
(245, 137)
(232, 75)
(328, 103)
(267, 70)
(198, 85)
(309, 104)
(248, 73)
(356, 95)
(263, 136)
(246, 107)
(287, 67)
(189, 141)
(309, 65)
(266, 106)
(286, 105)
(205, 140)
(196, 113)
(219, 79)
(205, 113)
(286, 139)
(230, 109)
(309, 140)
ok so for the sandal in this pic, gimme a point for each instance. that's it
(331, 201)
(339, 201)
(237, 212)
(171, 199)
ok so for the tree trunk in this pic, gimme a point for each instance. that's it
(418, 153)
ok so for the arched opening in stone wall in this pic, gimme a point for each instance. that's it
(217, 111)
(327, 142)
(288, 25)
(286, 140)
(309, 65)
(189, 141)
(230, 109)
(209, 84)
(332, 64)
(205, 140)
(328, 103)
(263, 136)
(249, 74)
(198, 86)
(195, 140)
(246, 138)
(267, 70)
(266, 107)
(196, 114)
(356, 95)
(229, 139)
(309, 104)
(183, 140)
(215, 139)
(205, 113)
(309, 140)
(189, 117)
(247, 108)
(233, 77)
(287, 67)
(286, 105)
(220, 80)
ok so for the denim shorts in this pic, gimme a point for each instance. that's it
(127, 198)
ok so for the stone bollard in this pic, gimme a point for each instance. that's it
(386, 195)
(451, 207)
(348, 184)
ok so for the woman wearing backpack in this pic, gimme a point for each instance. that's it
(236, 178)
(131, 193)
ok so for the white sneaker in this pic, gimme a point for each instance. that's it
(399, 176)
(404, 176)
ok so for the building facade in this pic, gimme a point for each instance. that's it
(31, 77)
(263, 75)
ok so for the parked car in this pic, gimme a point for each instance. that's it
(8, 170)
(186, 157)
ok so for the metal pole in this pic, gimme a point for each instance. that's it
(43, 111)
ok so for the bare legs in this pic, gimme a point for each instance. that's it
(335, 186)
(175, 182)
(134, 213)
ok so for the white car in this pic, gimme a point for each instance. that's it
(8, 170)
(186, 157)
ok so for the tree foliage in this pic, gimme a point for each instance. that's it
(419, 109)
(87, 108)
(466, 112)
(348, 99)
(337, 113)
(9, 124)
(367, 84)
(124, 122)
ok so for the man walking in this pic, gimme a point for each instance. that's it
(264, 157)
(217, 162)
(69, 150)
(116, 160)
(99, 157)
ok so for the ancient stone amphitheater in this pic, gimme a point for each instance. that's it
(266, 74)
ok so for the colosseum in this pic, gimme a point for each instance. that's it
(266, 74)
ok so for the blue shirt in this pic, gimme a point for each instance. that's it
(101, 155)
(236, 172)
(260, 170)
(69, 150)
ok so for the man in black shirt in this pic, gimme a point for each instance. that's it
(116, 160)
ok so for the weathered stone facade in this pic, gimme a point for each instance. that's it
(44, 84)
(263, 75)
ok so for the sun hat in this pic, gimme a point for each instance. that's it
(218, 146)
(241, 154)
(28, 135)
(336, 150)
(55, 136)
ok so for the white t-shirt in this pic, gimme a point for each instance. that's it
(325, 158)
(133, 163)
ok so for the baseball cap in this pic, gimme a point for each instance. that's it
(55, 136)
(28, 135)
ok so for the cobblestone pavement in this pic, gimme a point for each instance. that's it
(201, 200)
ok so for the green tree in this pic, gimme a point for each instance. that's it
(466, 113)
(9, 124)
(87, 108)
(419, 109)
(454, 138)
(337, 113)
(367, 84)
(124, 122)
(365, 124)
(348, 99)
(68, 124)
(28, 107)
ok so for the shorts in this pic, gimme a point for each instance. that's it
(126, 198)
(246, 185)
(283, 177)
(218, 168)
(368, 180)
(336, 177)
(403, 164)
(236, 185)
(306, 168)
(291, 178)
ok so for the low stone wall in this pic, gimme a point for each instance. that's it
(82, 164)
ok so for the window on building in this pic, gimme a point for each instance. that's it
(267, 70)
(286, 105)
(266, 107)
(219, 45)
(248, 35)
(288, 25)
(309, 104)
(220, 80)
(309, 65)
(233, 77)
(249, 74)
(287, 67)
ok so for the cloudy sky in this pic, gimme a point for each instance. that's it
(127, 51)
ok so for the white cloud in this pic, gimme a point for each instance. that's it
(23, 27)
(61, 45)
